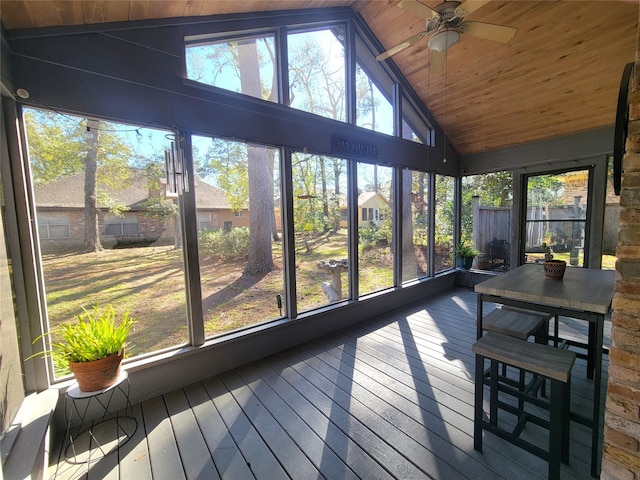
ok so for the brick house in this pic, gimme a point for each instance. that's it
(60, 214)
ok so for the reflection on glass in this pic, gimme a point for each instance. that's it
(413, 124)
(107, 225)
(375, 257)
(444, 223)
(556, 215)
(11, 366)
(239, 233)
(415, 225)
(611, 222)
(243, 65)
(316, 72)
(320, 226)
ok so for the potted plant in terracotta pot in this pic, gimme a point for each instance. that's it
(92, 346)
(553, 269)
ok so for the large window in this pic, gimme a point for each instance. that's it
(375, 253)
(374, 110)
(414, 127)
(240, 255)
(485, 222)
(85, 170)
(316, 72)
(445, 201)
(415, 225)
(244, 65)
(321, 234)
(113, 230)
(556, 215)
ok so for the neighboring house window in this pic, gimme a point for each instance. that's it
(204, 221)
(239, 214)
(125, 225)
(364, 214)
(53, 226)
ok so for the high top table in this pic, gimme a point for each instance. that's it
(583, 293)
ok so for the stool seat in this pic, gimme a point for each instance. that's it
(515, 322)
(545, 360)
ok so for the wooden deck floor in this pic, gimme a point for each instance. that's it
(390, 398)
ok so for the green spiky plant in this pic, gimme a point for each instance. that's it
(94, 335)
(467, 251)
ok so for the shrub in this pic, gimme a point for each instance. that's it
(222, 243)
(374, 235)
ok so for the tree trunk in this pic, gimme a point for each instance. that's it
(325, 196)
(91, 231)
(260, 183)
(260, 211)
(274, 225)
(336, 189)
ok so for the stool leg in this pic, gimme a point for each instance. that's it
(566, 414)
(493, 393)
(521, 387)
(478, 406)
(591, 354)
(556, 434)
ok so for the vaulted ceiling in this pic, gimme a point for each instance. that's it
(559, 75)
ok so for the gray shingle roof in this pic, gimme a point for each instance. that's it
(68, 192)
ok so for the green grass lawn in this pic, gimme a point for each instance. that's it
(149, 282)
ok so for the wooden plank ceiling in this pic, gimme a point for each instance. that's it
(559, 75)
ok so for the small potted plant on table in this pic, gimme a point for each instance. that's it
(465, 255)
(92, 346)
(553, 269)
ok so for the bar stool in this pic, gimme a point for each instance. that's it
(544, 360)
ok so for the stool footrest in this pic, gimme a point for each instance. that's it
(517, 441)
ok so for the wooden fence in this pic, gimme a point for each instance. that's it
(490, 223)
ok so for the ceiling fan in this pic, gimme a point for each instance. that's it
(445, 24)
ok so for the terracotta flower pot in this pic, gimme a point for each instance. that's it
(99, 374)
(554, 269)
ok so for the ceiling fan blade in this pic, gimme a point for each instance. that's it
(471, 6)
(436, 61)
(418, 9)
(489, 31)
(401, 46)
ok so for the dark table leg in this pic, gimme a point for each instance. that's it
(479, 318)
(598, 327)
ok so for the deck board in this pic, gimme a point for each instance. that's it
(388, 398)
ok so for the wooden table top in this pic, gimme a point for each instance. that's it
(584, 289)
